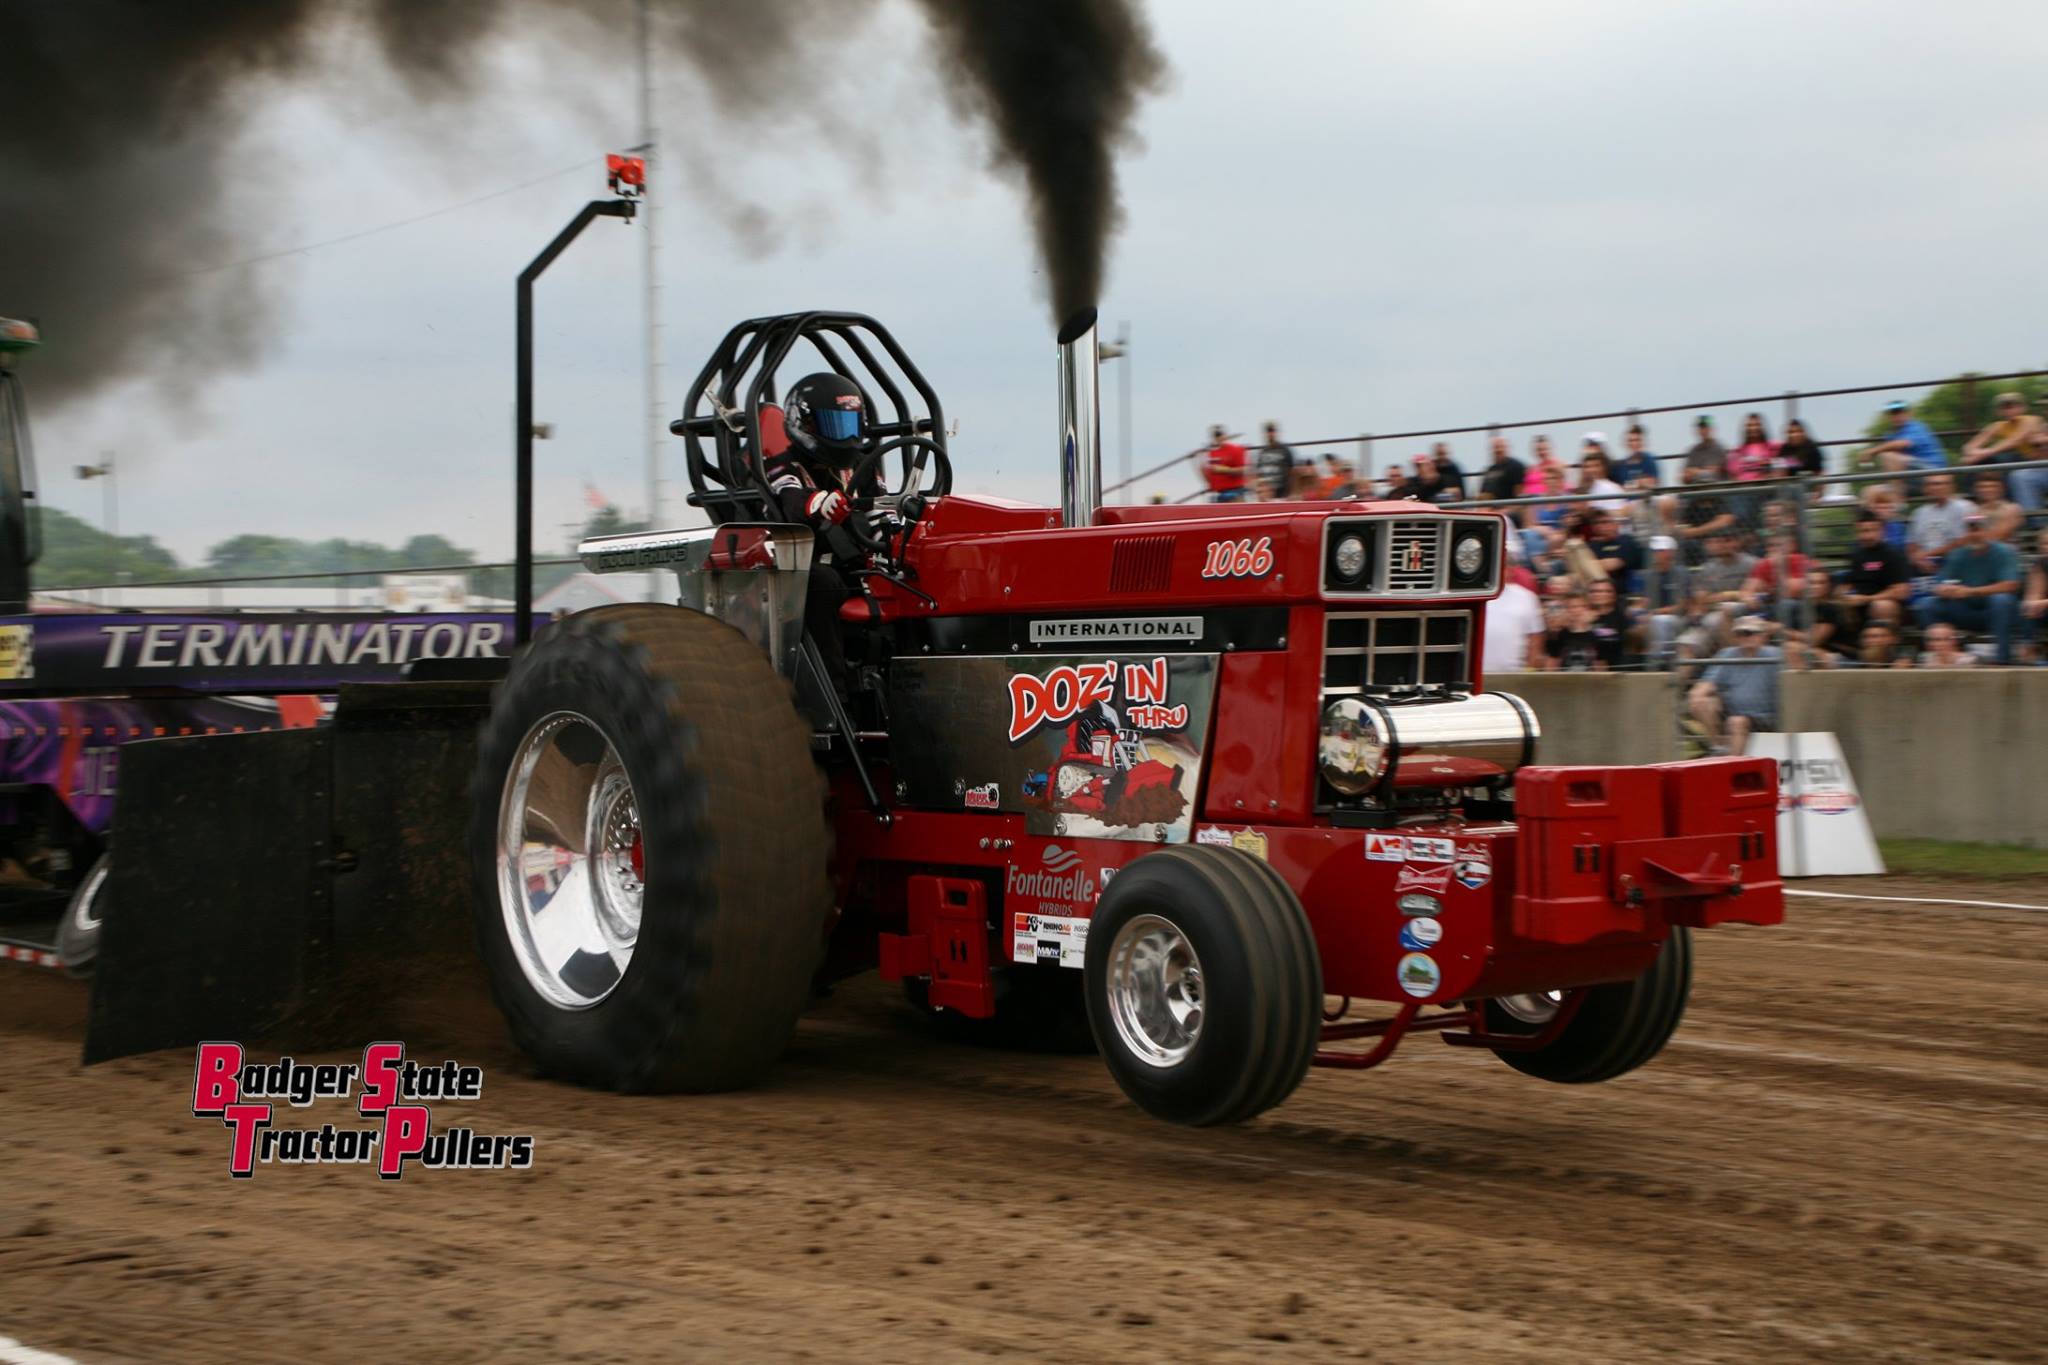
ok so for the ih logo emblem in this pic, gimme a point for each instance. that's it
(1414, 556)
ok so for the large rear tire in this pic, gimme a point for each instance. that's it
(649, 845)
(1205, 991)
(1619, 1026)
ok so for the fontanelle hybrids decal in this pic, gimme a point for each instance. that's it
(1099, 746)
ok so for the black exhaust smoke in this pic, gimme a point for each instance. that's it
(1059, 82)
(121, 191)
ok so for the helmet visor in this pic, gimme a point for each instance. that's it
(838, 424)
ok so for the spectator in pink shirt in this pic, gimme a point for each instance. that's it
(1547, 474)
(1757, 456)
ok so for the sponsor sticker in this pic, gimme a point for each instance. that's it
(1058, 882)
(1474, 867)
(984, 797)
(1059, 940)
(1415, 903)
(389, 1127)
(1386, 848)
(1436, 880)
(1171, 629)
(17, 652)
(1250, 841)
(1419, 975)
(1220, 838)
(1421, 850)
(1422, 932)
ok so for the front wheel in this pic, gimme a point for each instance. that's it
(1205, 991)
(1619, 1026)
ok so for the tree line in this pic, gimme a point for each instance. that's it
(75, 553)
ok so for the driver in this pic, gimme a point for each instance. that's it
(825, 419)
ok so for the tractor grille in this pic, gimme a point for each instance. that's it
(1394, 649)
(1413, 548)
(1141, 564)
(1413, 556)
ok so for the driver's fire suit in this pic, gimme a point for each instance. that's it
(815, 494)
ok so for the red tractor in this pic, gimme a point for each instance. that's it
(1171, 779)
(1189, 773)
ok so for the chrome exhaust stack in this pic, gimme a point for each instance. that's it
(1080, 419)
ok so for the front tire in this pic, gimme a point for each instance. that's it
(648, 840)
(1618, 1028)
(1205, 990)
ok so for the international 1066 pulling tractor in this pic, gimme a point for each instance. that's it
(1171, 780)
(1183, 774)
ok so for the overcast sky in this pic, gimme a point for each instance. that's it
(1348, 215)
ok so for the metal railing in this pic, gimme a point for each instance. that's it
(1789, 398)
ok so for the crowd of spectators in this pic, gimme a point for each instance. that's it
(1695, 563)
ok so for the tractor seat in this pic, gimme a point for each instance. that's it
(774, 436)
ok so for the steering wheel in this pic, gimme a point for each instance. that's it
(906, 500)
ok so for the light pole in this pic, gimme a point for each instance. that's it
(1120, 349)
(650, 283)
(109, 504)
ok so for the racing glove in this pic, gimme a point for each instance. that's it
(828, 505)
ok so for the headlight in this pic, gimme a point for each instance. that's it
(1349, 558)
(1470, 557)
(1352, 751)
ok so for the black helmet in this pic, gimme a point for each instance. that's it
(826, 415)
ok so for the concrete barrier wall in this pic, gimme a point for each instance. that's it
(1950, 755)
(1598, 717)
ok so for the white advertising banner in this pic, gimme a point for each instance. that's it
(1823, 830)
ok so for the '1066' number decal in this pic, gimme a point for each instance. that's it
(1239, 558)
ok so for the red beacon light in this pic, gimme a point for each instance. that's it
(627, 175)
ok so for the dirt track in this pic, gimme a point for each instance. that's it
(1842, 1157)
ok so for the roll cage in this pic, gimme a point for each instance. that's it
(728, 477)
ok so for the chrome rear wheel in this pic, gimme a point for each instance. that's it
(571, 861)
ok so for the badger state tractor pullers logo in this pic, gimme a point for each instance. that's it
(226, 1086)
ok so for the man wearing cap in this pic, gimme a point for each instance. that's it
(1707, 461)
(1978, 588)
(1739, 691)
(1911, 444)
(1667, 595)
